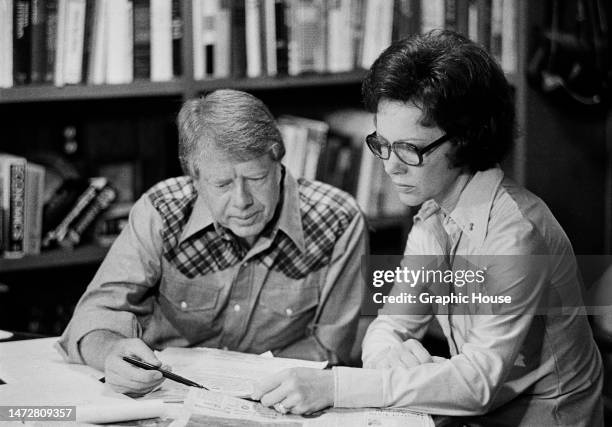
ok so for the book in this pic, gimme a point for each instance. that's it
(12, 203)
(161, 40)
(90, 10)
(307, 36)
(314, 144)
(238, 38)
(6, 43)
(21, 41)
(253, 33)
(34, 193)
(497, 16)
(99, 42)
(339, 37)
(222, 56)
(51, 40)
(38, 51)
(60, 43)
(119, 51)
(406, 18)
(177, 38)
(268, 19)
(142, 39)
(74, 36)
(103, 199)
(484, 23)
(509, 48)
(58, 233)
(432, 15)
(205, 14)
(377, 31)
(57, 206)
(281, 31)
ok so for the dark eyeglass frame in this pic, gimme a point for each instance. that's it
(373, 138)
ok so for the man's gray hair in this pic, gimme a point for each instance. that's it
(234, 122)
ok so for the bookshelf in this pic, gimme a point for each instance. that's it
(57, 258)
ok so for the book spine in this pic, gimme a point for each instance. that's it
(161, 40)
(21, 41)
(6, 44)
(58, 234)
(142, 39)
(73, 43)
(450, 15)
(38, 51)
(34, 193)
(282, 54)
(16, 212)
(253, 38)
(50, 40)
(90, 16)
(222, 49)
(484, 23)
(406, 18)
(270, 36)
(102, 201)
(238, 39)
(177, 38)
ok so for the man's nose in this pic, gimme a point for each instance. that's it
(394, 166)
(242, 196)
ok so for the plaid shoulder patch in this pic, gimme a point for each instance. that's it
(174, 199)
(326, 213)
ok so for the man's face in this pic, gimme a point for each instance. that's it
(433, 179)
(241, 196)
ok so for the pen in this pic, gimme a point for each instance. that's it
(166, 374)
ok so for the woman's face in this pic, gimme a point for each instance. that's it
(434, 178)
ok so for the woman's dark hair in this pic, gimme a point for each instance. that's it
(458, 85)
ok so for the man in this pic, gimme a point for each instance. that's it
(235, 255)
(444, 119)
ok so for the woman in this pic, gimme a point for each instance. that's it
(444, 120)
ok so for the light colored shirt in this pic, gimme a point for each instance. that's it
(530, 366)
(174, 277)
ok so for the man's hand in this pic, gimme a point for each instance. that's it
(126, 378)
(408, 354)
(298, 390)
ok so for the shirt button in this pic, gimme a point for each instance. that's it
(289, 312)
(225, 348)
(183, 305)
(237, 307)
(245, 264)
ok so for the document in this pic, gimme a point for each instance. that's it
(203, 408)
(223, 371)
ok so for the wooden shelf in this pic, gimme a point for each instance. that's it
(41, 93)
(283, 82)
(88, 254)
(179, 88)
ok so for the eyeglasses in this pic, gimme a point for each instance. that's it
(405, 151)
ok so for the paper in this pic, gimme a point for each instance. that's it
(4, 335)
(203, 408)
(228, 372)
(120, 411)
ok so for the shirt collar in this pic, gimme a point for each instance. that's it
(289, 221)
(473, 208)
(474, 205)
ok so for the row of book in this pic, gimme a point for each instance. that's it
(333, 151)
(30, 220)
(89, 41)
(118, 41)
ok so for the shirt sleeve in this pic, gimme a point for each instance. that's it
(468, 383)
(394, 328)
(335, 322)
(118, 297)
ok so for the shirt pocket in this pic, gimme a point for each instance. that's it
(191, 305)
(286, 311)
